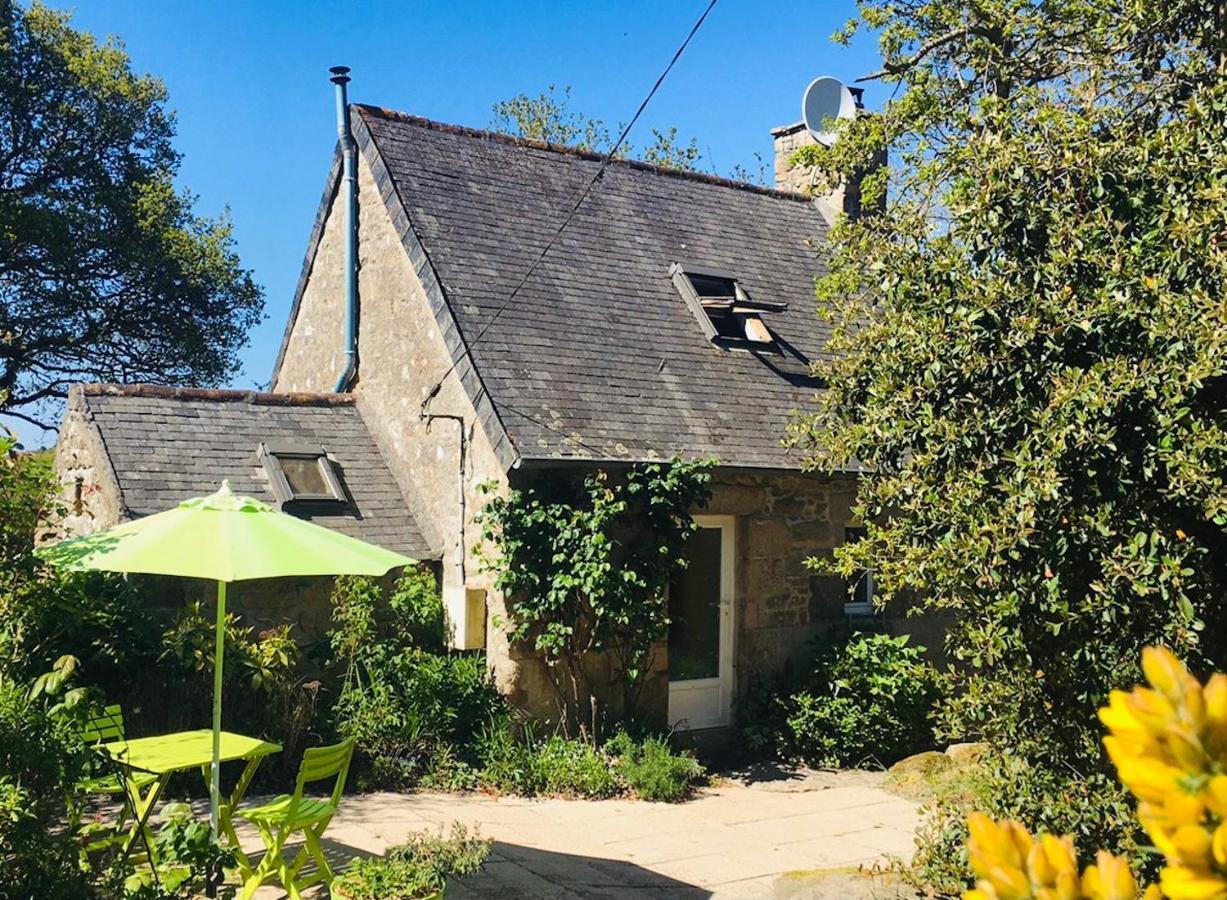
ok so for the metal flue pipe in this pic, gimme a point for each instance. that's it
(349, 189)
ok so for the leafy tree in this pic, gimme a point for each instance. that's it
(1035, 375)
(549, 117)
(584, 567)
(106, 271)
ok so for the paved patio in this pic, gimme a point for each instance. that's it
(788, 835)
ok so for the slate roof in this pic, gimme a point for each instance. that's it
(166, 444)
(598, 355)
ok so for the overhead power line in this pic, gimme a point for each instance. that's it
(467, 345)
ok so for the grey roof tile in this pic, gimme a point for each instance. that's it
(169, 444)
(573, 366)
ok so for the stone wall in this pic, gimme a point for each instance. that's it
(782, 520)
(401, 356)
(89, 492)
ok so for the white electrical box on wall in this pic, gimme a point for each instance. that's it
(465, 611)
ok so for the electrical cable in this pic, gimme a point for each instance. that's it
(469, 344)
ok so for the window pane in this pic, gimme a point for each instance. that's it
(694, 611)
(707, 286)
(304, 476)
(727, 324)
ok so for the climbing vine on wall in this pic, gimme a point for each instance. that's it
(584, 562)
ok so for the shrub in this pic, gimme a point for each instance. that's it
(190, 861)
(572, 768)
(865, 700)
(264, 689)
(652, 770)
(413, 870)
(557, 765)
(40, 759)
(414, 709)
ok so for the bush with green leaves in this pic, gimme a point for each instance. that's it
(414, 870)
(190, 860)
(652, 770)
(413, 707)
(520, 763)
(584, 562)
(265, 687)
(555, 766)
(1028, 363)
(41, 758)
(866, 700)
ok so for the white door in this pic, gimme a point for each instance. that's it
(701, 629)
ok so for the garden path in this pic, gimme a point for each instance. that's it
(757, 834)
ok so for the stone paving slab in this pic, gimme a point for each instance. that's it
(744, 838)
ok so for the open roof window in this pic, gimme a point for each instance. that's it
(726, 312)
(301, 472)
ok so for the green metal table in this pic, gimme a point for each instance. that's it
(166, 754)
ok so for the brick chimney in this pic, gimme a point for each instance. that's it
(788, 139)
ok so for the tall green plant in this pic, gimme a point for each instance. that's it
(1033, 372)
(584, 568)
(410, 704)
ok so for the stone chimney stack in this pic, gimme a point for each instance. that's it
(788, 139)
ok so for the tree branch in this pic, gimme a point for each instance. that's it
(925, 49)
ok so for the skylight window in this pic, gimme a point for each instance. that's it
(723, 308)
(301, 472)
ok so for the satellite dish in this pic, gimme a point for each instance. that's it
(826, 98)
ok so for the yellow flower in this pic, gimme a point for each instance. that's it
(1165, 672)
(1109, 879)
(1011, 865)
(1179, 883)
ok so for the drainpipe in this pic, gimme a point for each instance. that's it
(349, 185)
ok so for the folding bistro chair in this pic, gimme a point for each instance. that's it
(284, 816)
(108, 725)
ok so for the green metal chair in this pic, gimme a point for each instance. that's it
(281, 818)
(107, 726)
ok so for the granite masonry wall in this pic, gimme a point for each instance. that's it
(440, 456)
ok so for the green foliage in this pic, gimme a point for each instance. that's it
(554, 766)
(265, 690)
(585, 567)
(560, 766)
(41, 757)
(652, 770)
(108, 273)
(414, 709)
(548, 117)
(190, 861)
(1034, 383)
(866, 700)
(417, 869)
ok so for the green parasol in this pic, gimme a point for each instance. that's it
(222, 538)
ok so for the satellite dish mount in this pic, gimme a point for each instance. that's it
(826, 99)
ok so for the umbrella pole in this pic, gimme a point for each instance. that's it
(215, 781)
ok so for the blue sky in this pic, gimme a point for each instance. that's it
(249, 83)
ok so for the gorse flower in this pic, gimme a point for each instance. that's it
(1168, 742)
(1169, 745)
(1010, 864)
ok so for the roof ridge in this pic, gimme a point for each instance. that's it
(577, 152)
(221, 395)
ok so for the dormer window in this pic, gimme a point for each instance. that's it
(301, 472)
(725, 311)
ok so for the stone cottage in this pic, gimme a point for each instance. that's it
(672, 315)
